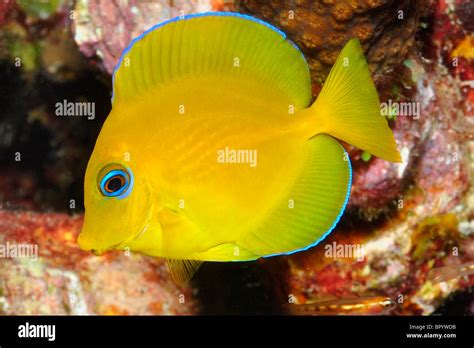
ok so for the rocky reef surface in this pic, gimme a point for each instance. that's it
(409, 218)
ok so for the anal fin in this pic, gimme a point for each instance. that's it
(318, 196)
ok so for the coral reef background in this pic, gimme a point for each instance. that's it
(410, 217)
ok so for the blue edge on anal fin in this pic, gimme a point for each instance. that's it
(195, 15)
(328, 232)
(234, 14)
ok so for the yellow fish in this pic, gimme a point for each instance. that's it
(213, 150)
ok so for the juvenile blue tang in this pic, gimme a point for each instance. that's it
(213, 150)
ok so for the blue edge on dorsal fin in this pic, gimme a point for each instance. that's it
(196, 15)
(234, 14)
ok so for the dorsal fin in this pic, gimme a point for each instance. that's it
(208, 44)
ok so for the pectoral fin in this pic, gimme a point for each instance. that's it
(181, 237)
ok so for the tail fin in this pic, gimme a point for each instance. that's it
(348, 106)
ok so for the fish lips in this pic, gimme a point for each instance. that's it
(88, 245)
(85, 245)
(97, 249)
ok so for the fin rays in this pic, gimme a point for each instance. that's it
(348, 106)
(289, 229)
(213, 43)
(182, 270)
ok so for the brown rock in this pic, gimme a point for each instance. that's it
(386, 29)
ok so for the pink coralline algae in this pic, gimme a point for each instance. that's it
(432, 145)
(104, 28)
(410, 218)
(44, 272)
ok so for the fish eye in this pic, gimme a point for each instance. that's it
(114, 180)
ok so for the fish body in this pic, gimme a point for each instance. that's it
(213, 151)
(369, 305)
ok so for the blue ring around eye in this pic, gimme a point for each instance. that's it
(123, 191)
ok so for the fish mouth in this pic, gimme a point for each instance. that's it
(99, 252)
(122, 245)
(90, 245)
